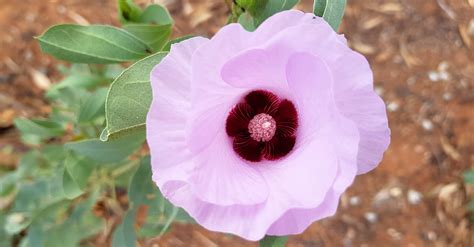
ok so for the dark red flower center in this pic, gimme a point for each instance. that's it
(262, 126)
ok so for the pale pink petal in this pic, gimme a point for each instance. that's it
(169, 111)
(296, 220)
(310, 83)
(213, 180)
(283, 20)
(256, 68)
(211, 97)
(223, 178)
(356, 99)
(353, 86)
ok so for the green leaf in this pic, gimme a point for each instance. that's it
(155, 14)
(58, 226)
(272, 7)
(247, 21)
(129, 98)
(273, 241)
(160, 214)
(167, 47)
(128, 11)
(93, 106)
(252, 6)
(124, 235)
(332, 11)
(96, 44)
(76, 175)
(155, 36)
(141, 185)
(469, 177)
(111, 151)
(38, 127)
(75, 81)
(318, 7)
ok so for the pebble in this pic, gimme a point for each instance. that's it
(427, 125)
(447, 96)
(379, 91)
(393, 106)
(433, 76)
(381, 197)
(396, 192)
(431, 236)
(371, 217)
(443, 66)
(444, 76)
(354, 200)
(470, 28)
(396, 235)
(414, 197)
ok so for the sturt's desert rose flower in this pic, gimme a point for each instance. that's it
(256, 133)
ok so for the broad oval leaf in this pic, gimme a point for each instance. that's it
(128, 11)
(155, 14)
(141, 185)
(129, 98)
(38, 127)
(155, 36)
(272, 7)
(247, 21)
(96, 44)
(111, 151)
(252, 6)
(332, 11)
(124, 234)
(93, 106)
(76, 175)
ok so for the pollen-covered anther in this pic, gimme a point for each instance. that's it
(262, 127)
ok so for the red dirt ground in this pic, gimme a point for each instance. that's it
(422, 54)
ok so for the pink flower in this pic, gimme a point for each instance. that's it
(256, 133)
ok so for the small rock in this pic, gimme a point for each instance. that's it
(447, 96)
(354, 200)
(371, 217)
(444, 76)
(470, 28)
(427, 125)
(393, 106)
(396, 192)
(414, 197)
(433, 76)
(443, 66)
(381, 196)
(396, 235)
(431, 236)
(40, 79)
(379, 91)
